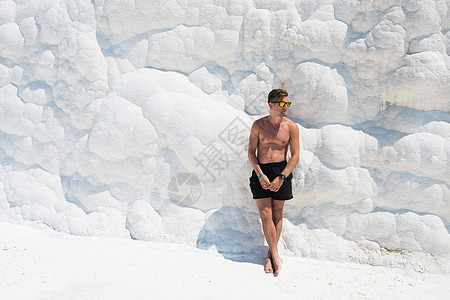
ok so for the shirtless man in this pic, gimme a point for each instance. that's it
(270, 138)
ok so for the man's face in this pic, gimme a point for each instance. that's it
(277, 109)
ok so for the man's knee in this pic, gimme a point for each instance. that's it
(277, 210)
(277, 217)
(266, 213)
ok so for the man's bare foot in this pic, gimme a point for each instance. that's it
(268, 267)
(277, 263)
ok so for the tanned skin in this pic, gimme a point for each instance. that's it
(270, 139)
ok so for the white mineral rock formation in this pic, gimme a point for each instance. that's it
(131, 119)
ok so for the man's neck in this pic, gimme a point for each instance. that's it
(275, 120)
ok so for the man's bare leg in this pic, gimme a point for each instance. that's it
(270, 233)
(277, 217)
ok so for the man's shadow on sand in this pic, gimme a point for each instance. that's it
(236, 233)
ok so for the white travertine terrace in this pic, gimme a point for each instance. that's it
(129, 118)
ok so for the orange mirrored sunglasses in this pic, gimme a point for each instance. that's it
(282, 103)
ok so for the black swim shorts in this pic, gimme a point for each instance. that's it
(272, 170)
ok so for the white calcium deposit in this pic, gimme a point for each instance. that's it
(131, 119)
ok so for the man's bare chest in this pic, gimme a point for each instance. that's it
(271, 137)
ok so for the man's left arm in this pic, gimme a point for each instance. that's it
(294, 147)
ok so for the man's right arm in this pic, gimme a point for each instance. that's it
(252, 148)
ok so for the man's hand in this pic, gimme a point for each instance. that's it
(265, 183)
(276, 184)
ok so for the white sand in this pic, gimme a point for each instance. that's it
(42, 264)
